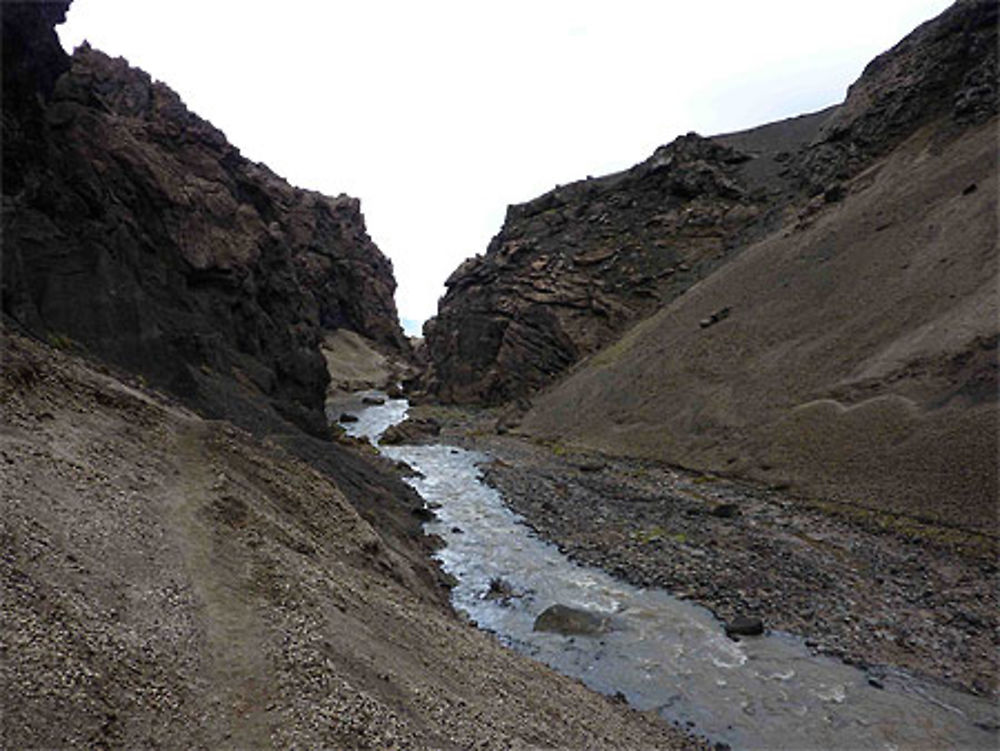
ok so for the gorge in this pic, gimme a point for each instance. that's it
(752, 378)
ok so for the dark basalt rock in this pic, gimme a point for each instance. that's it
(725, 510)
(410, 430)
(133, 228)
(570, 269)
(743, 625)
(946, 66)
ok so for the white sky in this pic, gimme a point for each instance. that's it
(437, 114)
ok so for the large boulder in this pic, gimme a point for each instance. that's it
(411, 430)
(568, 621)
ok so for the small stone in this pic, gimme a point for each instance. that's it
(725, 510)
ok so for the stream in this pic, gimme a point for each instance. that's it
(662, 653)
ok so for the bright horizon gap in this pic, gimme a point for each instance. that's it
(439, 115)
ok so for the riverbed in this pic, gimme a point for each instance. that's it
(657, 651)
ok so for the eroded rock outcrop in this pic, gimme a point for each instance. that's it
(570, 270)
(573, 267)
(135, 230)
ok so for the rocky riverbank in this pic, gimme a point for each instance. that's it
(877, 590)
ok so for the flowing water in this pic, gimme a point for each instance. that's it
(660, 652)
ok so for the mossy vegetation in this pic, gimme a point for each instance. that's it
(60, 341)
(657, 534)
(960, 540)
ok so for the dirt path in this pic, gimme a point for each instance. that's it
(236, 643)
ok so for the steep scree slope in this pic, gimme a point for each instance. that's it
(570, 270)
(132, 228)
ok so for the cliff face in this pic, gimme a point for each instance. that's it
(134, 229)
(572, 269)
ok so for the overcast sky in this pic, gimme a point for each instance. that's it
(439, 114)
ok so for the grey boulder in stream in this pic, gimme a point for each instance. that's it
(562, 619)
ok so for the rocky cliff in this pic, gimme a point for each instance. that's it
(570, 270)
(133, 230)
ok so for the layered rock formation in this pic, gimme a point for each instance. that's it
(570, 270)
(133, 229)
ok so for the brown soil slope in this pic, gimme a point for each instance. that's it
(852, 354)
(171, 582)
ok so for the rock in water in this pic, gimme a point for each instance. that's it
(743, 625)
(411, 430)
(562, 619)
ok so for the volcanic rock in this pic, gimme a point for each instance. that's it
(410, 430)
(134, 230)
(857, 362)
(743, 625)
(571, 269)
(860, 361)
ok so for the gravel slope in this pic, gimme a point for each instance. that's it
(167, 581)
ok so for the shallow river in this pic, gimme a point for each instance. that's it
(661, 652)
